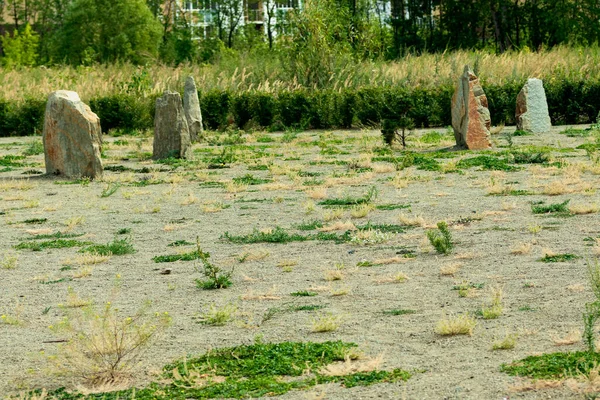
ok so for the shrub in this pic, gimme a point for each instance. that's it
(124, 111)
(215, 106)
(293, 108)
(103, 346)
(441, 239)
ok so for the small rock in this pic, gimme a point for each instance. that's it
(72, 137)
(166, 271)
(532, 108)
(470, 115)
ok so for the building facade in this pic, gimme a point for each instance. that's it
(203, 15)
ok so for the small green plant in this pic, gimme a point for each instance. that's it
(551, 258)
(118, 247)
(441, 239)
(347, 201)
(50, 244)
(507, 343)
(218, 316)
(9, 261)
(216, 278)
(550, 208)
(399, 311)
(34, 148)
(592, 309)
(303, 293)
(110, 189)
(494, 309)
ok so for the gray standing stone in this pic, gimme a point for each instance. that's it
(470, 114)
(191, 106)
(532, 108)
(171, 135)
(72, 137)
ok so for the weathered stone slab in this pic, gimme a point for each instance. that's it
(191, 107)
(470, 115)
(532, 108)
(72, 137)
(171, 134)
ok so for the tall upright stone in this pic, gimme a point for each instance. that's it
(532, 108)
(72, 137)
(470, 115)
(171, 134)
(191, 107)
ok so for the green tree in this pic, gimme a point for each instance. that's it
(109, 31)
(21, 49)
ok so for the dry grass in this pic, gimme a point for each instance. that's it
(86, 259)
(326, 322)
(338, 226)
(391, 260)
(450, 269)
(349, 366)
(400, 277)
(534, 386)
(361, 211)
(522, 248)
(582, 209)
(317, 193)
(334, 275)
(456, 325)
(253, 255)
(330, 215)
(571, 338)
(556, 188)
(411, 220)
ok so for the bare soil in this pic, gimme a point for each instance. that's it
(542, 302)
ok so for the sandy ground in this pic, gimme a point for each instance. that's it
(542, 302)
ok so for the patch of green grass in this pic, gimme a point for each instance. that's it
(212, 184)
(554, 365)
(572, 132)
(399, 311)
(310, 307)
(118, 247)
(309, 225)
(10, 160)
(368, 197)
(110, 190)
(124, 231)
(487, 163)
(432, 137)
(559, 257)
(382, 227)
(258, 167)
(191, 256)
(550, 208)
(35, 147)
(521, 133)
(250, 179)
(389, 207)
(280, 235)
(56, 235)
(303, 293)
(528, 157)
(36, 221)
(50, 244)
(178, 243)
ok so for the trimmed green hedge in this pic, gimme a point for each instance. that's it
(568, 103)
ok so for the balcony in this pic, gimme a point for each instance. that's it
(254, 16)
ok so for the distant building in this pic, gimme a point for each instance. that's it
(202, 15)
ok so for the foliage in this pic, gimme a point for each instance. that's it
(21, 49)
(108, 31)
(441, 239)
(554, 365)
(118, 247)
(550, 208)
(215, 276)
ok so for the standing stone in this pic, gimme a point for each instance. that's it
(191, 106)
(470, 115)
(72, 137)
(171, 135)
(532, 109)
